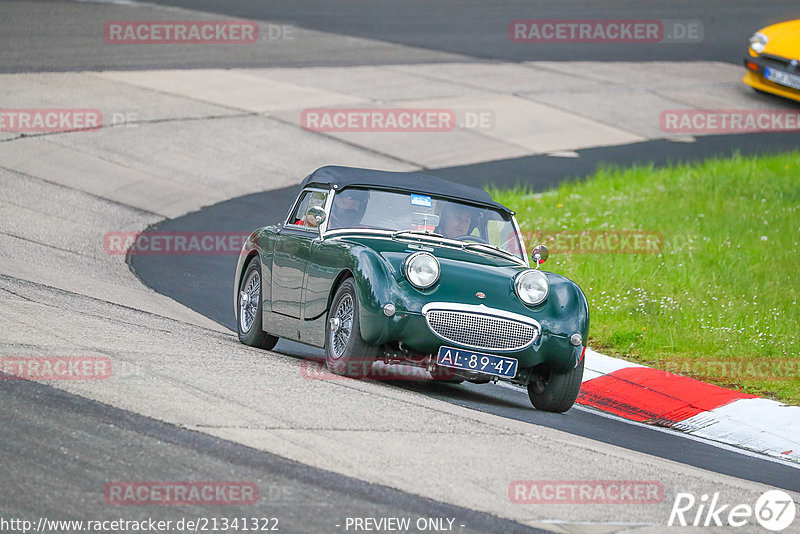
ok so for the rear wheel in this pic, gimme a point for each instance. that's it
(559, 391)
(346, 352)
(249, 309)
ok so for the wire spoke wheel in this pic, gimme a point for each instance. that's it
(343, 321)
(249, 321)
(248, 301)
(346, 352)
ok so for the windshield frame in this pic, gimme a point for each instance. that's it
(411, 235)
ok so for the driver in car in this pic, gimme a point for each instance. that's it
(456, 221)
(348, 208)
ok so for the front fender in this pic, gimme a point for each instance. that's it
(566, 309)
(375, 285)
(565, 312)
(258, 243)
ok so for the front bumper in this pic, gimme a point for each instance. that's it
(755, 77)
(553, 349)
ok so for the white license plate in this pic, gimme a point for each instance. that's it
(782, 78)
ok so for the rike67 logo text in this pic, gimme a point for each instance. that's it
(774, 510)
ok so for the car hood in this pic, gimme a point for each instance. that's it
(783, 39)
(466, 273)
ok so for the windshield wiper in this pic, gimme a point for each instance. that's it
(493, 248)
(417, 232)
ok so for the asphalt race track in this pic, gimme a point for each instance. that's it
(208, 139)
(432, 25)
(426, 31)
(139, 447)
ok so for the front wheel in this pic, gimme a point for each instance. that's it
(346, 352)
(559, 392)
(248, 320)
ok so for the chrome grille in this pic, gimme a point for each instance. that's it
(481, 331)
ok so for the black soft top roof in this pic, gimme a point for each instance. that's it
(413, 182)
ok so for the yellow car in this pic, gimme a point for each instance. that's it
(773, 65)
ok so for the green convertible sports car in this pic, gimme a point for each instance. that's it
(408, 269)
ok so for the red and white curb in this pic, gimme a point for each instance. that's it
(648, 395)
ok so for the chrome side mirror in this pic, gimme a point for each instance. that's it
(539, 255)
(316, 215)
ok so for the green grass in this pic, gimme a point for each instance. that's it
(724, 288)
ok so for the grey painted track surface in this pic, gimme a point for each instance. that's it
(71, 38)
(60, 450)
(480, 28)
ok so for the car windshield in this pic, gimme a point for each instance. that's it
(398, 212)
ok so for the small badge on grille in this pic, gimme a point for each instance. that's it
(480, 295)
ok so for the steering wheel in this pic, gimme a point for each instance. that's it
(474, 238)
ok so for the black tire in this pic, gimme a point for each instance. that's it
(346, 352)
(248, 317)
(560, 391)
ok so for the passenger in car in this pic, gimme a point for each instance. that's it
(456, 221)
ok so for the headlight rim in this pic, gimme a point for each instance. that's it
(758, 41)
(410, 259)
(531, 272)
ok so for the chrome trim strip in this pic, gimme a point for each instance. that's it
(327, 208)
(344, 231)
(480, 309)
(521, 241)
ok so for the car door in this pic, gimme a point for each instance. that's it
(291, 254)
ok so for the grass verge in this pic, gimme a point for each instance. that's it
(708, 289)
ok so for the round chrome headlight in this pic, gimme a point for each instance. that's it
(758, 41)
(422, 270)
(531, 287)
